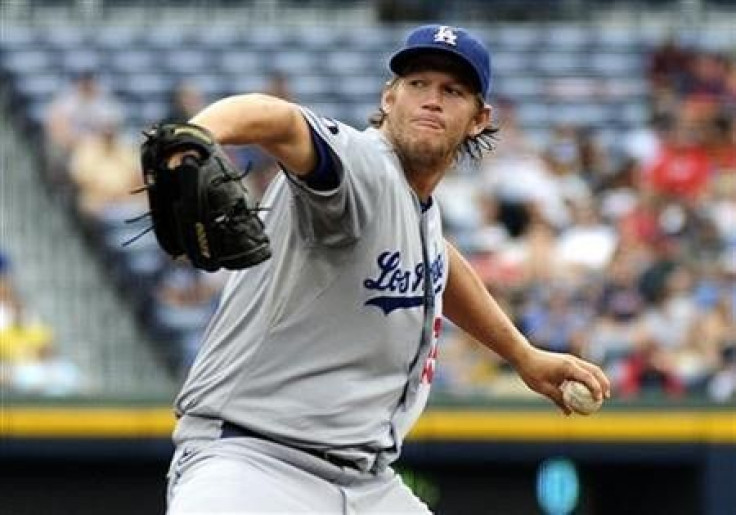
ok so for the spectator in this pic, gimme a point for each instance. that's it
(105, 169)
(587, 245)
(184, 299)
(682, 169)
(74, 114)
(668, 64)
(48, 374)
(722, 387)
(552, 322)
(20, 333)
(185, 101)
(9, 300)
(649, 371)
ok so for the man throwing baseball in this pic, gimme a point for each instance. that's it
(319, 360)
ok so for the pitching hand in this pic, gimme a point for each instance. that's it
(544, 372)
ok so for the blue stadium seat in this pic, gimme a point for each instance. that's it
(184, 61)
(518, 87)
(212, 85)
(620, 64)
(532, 113)
(559, 63)
(591, 114)
(248, 82)
(117, 38)
(38, 87)
(569, 38)
(373, 39)
(27, 61)
(64, 37)
(165, 37)
(312, 39)
(361, 88)
(267, 38)
(294, 62)
(76, 59)
(510, 61)
(619, 38)
(236, 61)
(132, 61)
(225, 36)
(342, 62)
(311, 88)
(517, 38)
(145, 86)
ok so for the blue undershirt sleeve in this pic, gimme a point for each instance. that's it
(324, 177)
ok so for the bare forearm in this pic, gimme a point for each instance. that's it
(272, 123)
(245, 119)
(467, 303)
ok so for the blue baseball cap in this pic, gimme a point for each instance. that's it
(453, 40)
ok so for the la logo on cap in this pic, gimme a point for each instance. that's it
(445, 35)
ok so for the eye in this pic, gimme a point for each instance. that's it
(418, 83)
(455, 91)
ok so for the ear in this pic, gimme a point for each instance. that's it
(388, 97)
(481, 120)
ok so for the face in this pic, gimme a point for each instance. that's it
(429, 114)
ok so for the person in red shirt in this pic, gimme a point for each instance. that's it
(682, 169)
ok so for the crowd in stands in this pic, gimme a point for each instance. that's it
(625, 254)
(30, 362)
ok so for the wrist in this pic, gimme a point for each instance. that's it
(520, 353)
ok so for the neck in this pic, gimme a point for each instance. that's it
(422, 181)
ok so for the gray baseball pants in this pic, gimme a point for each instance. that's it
(248, 475)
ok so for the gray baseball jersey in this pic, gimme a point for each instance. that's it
(330, 344)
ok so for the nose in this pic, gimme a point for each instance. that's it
(432, 99)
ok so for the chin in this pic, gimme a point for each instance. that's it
(427, 146)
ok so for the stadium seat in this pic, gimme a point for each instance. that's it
(117, 37)
(343, 62)
(26, 61)
(39, 86)
(132, 61)
(184, 61)
(236, 61)
(19, 37)
(510, 61)
(78, 59)
(568, 38)
(293, 62)
(64, 37)
(615, 64)
(517, 38)
(558, 63)
(361, 88)
(532, 114)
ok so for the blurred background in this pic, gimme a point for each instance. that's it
(604, 223)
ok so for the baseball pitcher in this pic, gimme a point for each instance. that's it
(321, 354)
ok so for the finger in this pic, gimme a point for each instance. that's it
(581, 374)
(601, 377)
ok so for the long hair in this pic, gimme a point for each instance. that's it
(473, 147)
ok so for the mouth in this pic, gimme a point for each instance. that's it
(429, 122)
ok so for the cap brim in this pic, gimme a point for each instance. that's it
(400, 60)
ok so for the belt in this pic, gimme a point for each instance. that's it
(230, 430)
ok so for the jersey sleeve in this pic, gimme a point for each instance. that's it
(335, 202)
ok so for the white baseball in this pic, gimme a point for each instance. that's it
(579, 399)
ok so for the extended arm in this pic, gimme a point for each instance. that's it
(467, 303)
(274, 124)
